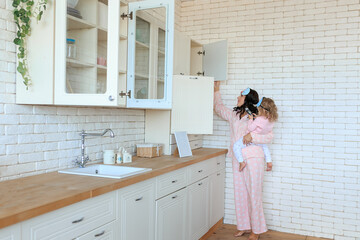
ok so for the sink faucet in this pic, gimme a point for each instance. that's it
(84, 159)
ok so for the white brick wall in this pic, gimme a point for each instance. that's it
(38, 139)
(305, 55)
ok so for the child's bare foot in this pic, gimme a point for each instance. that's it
(241, 166)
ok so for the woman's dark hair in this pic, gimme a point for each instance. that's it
(250, 101)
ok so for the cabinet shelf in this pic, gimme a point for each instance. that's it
(142, 44)
(101, 69)
(123, 37)
(102, 34)
(77, 23)
(78, 64)
(141, 76)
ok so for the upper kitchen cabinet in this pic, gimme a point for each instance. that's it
(209, 59)
(87, 44)
(150, 54)
(80, 54)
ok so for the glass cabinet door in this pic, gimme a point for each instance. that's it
(150, 54)
(86, 68)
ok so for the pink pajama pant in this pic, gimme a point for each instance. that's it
(248, 195)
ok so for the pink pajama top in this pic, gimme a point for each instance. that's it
(238, 129)
(260, 125)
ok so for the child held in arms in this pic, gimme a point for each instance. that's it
(262, 123)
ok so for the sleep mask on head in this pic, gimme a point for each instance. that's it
(245, 92)
(259, 104)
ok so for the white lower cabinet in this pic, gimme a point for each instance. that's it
(179, 205)
(72, 221)
(216, 192)
(198, 208)
(11, 233)
(136, 211)
(171, 216)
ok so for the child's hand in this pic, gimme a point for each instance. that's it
(269, 166)
(242, 166)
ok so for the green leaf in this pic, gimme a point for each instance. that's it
(39, 15)
(17, 41)
(21, 69)
(16, 3)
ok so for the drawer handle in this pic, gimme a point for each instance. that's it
(100, 234)
(79, 220)
(200, 184)
(174, 197)
(218, 174)
(138, 199)
(200, 171)
(218, 163)
(174, 181)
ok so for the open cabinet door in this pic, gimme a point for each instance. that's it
(215, 60)
(150, 54)
(82, 45)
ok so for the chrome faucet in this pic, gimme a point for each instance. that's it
(84, 159)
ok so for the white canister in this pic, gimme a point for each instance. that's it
(109, 157)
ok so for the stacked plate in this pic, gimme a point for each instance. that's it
(74, 12)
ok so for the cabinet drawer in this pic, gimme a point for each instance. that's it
(72, 221)
(11, 233)
(216, 163)
(198, 171)
(170, 182)
(105, 232)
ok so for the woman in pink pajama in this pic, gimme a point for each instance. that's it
(248, 182)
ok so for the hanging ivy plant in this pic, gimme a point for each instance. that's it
(24, 10)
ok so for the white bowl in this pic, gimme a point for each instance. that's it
(72, 3)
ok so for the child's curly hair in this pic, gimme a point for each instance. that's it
(269, 109)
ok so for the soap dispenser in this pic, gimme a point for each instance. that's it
(119, 156)
(127, 157)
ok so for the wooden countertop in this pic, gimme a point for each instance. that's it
(28, 197)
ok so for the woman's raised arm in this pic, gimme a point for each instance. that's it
(224, 112)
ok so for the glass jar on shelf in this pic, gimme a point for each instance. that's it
(70, 48)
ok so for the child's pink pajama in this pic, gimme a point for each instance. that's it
(260, 125)
(247, 183)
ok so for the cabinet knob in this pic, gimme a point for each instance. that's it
(174, 197)
(200, 184)
(111, 98)
(174, 181)
(138, 199)
(200, 171)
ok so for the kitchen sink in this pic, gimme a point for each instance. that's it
(107, 171)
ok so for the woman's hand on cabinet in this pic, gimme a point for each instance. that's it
(216, 86)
